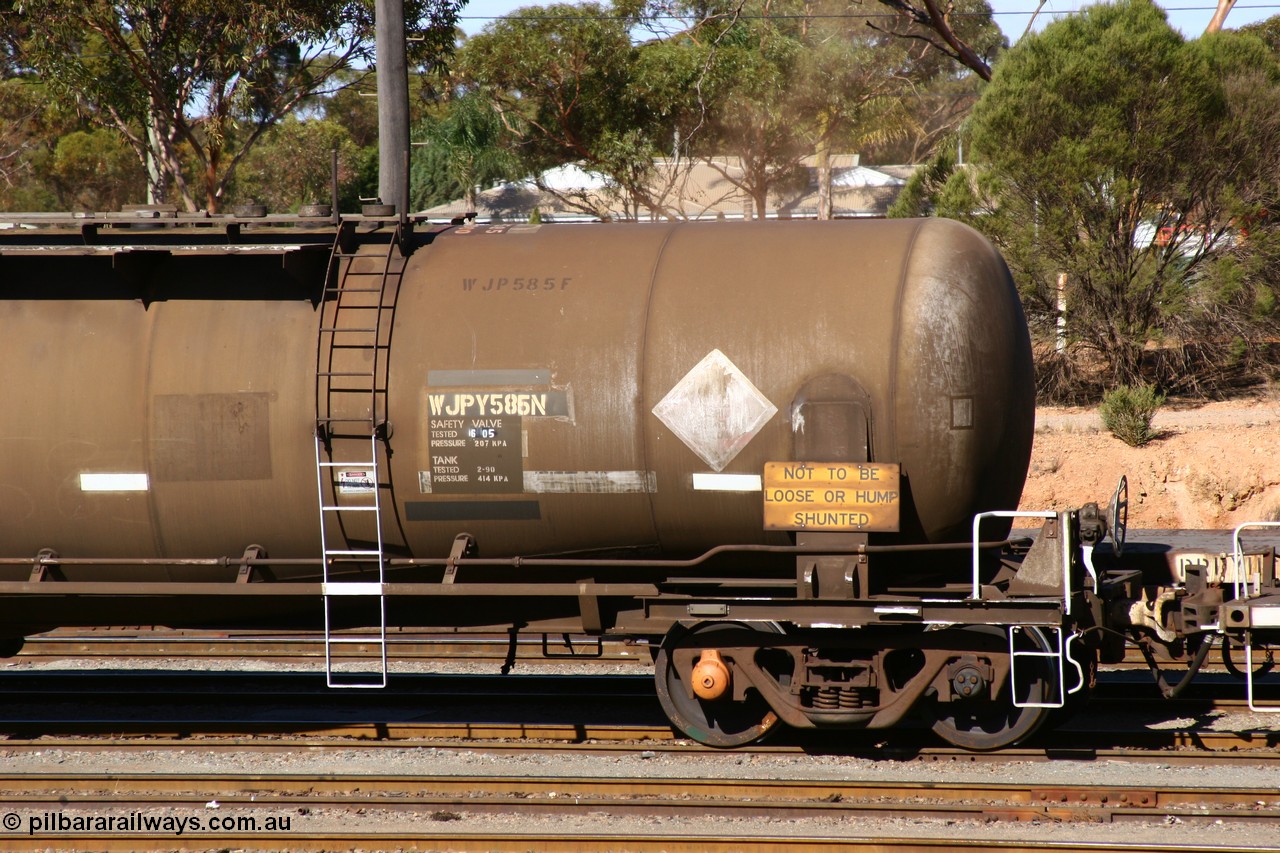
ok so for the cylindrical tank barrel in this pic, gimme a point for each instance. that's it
(550, 389)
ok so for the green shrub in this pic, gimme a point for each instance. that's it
(1127, 412)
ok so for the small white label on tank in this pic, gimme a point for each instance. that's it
(715, 410)
(114, 483)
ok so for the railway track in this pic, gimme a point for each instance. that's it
(295, 810)
(156, 643)
(1125, 714)
(337, 809)
(1224, 749)
(147, 643)
(671, 796)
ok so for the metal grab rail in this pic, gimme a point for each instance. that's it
(502, 562)
(1066, 549)
(1240, 585)
(1240, 589)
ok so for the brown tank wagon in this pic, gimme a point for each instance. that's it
(607, 366)
(759, 446)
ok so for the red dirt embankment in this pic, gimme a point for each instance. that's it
(1212, 466)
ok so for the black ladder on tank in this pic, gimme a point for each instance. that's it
(353, 342)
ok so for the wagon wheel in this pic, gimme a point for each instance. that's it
(720, 722)
(986, 724)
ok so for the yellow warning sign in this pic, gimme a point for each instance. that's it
(862, 496)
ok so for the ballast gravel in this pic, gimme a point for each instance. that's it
(1173, 828)
(1163, 827)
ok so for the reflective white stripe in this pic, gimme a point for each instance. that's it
(351, 588)
(1264, 617)
(590, 482)
(727, 482)
(113, 483)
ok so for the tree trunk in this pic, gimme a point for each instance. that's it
(1219, 16)
(1126, 363)
(157, 179)
(211, 187)
(824, 172)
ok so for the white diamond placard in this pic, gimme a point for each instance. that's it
(715, 410)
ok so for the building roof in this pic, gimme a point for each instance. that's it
(704, 189)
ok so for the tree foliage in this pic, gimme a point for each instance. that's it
(1115, 151)
(558, 77)
(95, 170)
(460, 150)
(769, 82)
(962, 32)
(293, 165)
(29, 132)
(787, 79)
(780, 81)
(195, 84)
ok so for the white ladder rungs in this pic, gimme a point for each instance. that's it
(332, 588)
(1055, 658)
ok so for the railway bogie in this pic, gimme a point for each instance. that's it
(761, 448)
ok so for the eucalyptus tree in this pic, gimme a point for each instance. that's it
(560, 79)
(961, 31)
(293, 165)
(1140, 165)
(785, 80)
(460, 149)
(193, 85)
(779, 81)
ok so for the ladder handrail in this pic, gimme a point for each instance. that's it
(331, 309)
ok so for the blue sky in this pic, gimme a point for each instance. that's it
(1189, 16)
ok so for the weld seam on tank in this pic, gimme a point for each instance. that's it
(148, 413)
(894, 453)
(642, 421)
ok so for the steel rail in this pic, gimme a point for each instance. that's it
(123, 685)
(1170, 747)
(301, 649)
(195, 788)
(447, 798)
(572, 842)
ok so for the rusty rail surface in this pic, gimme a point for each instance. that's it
(426, 800)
